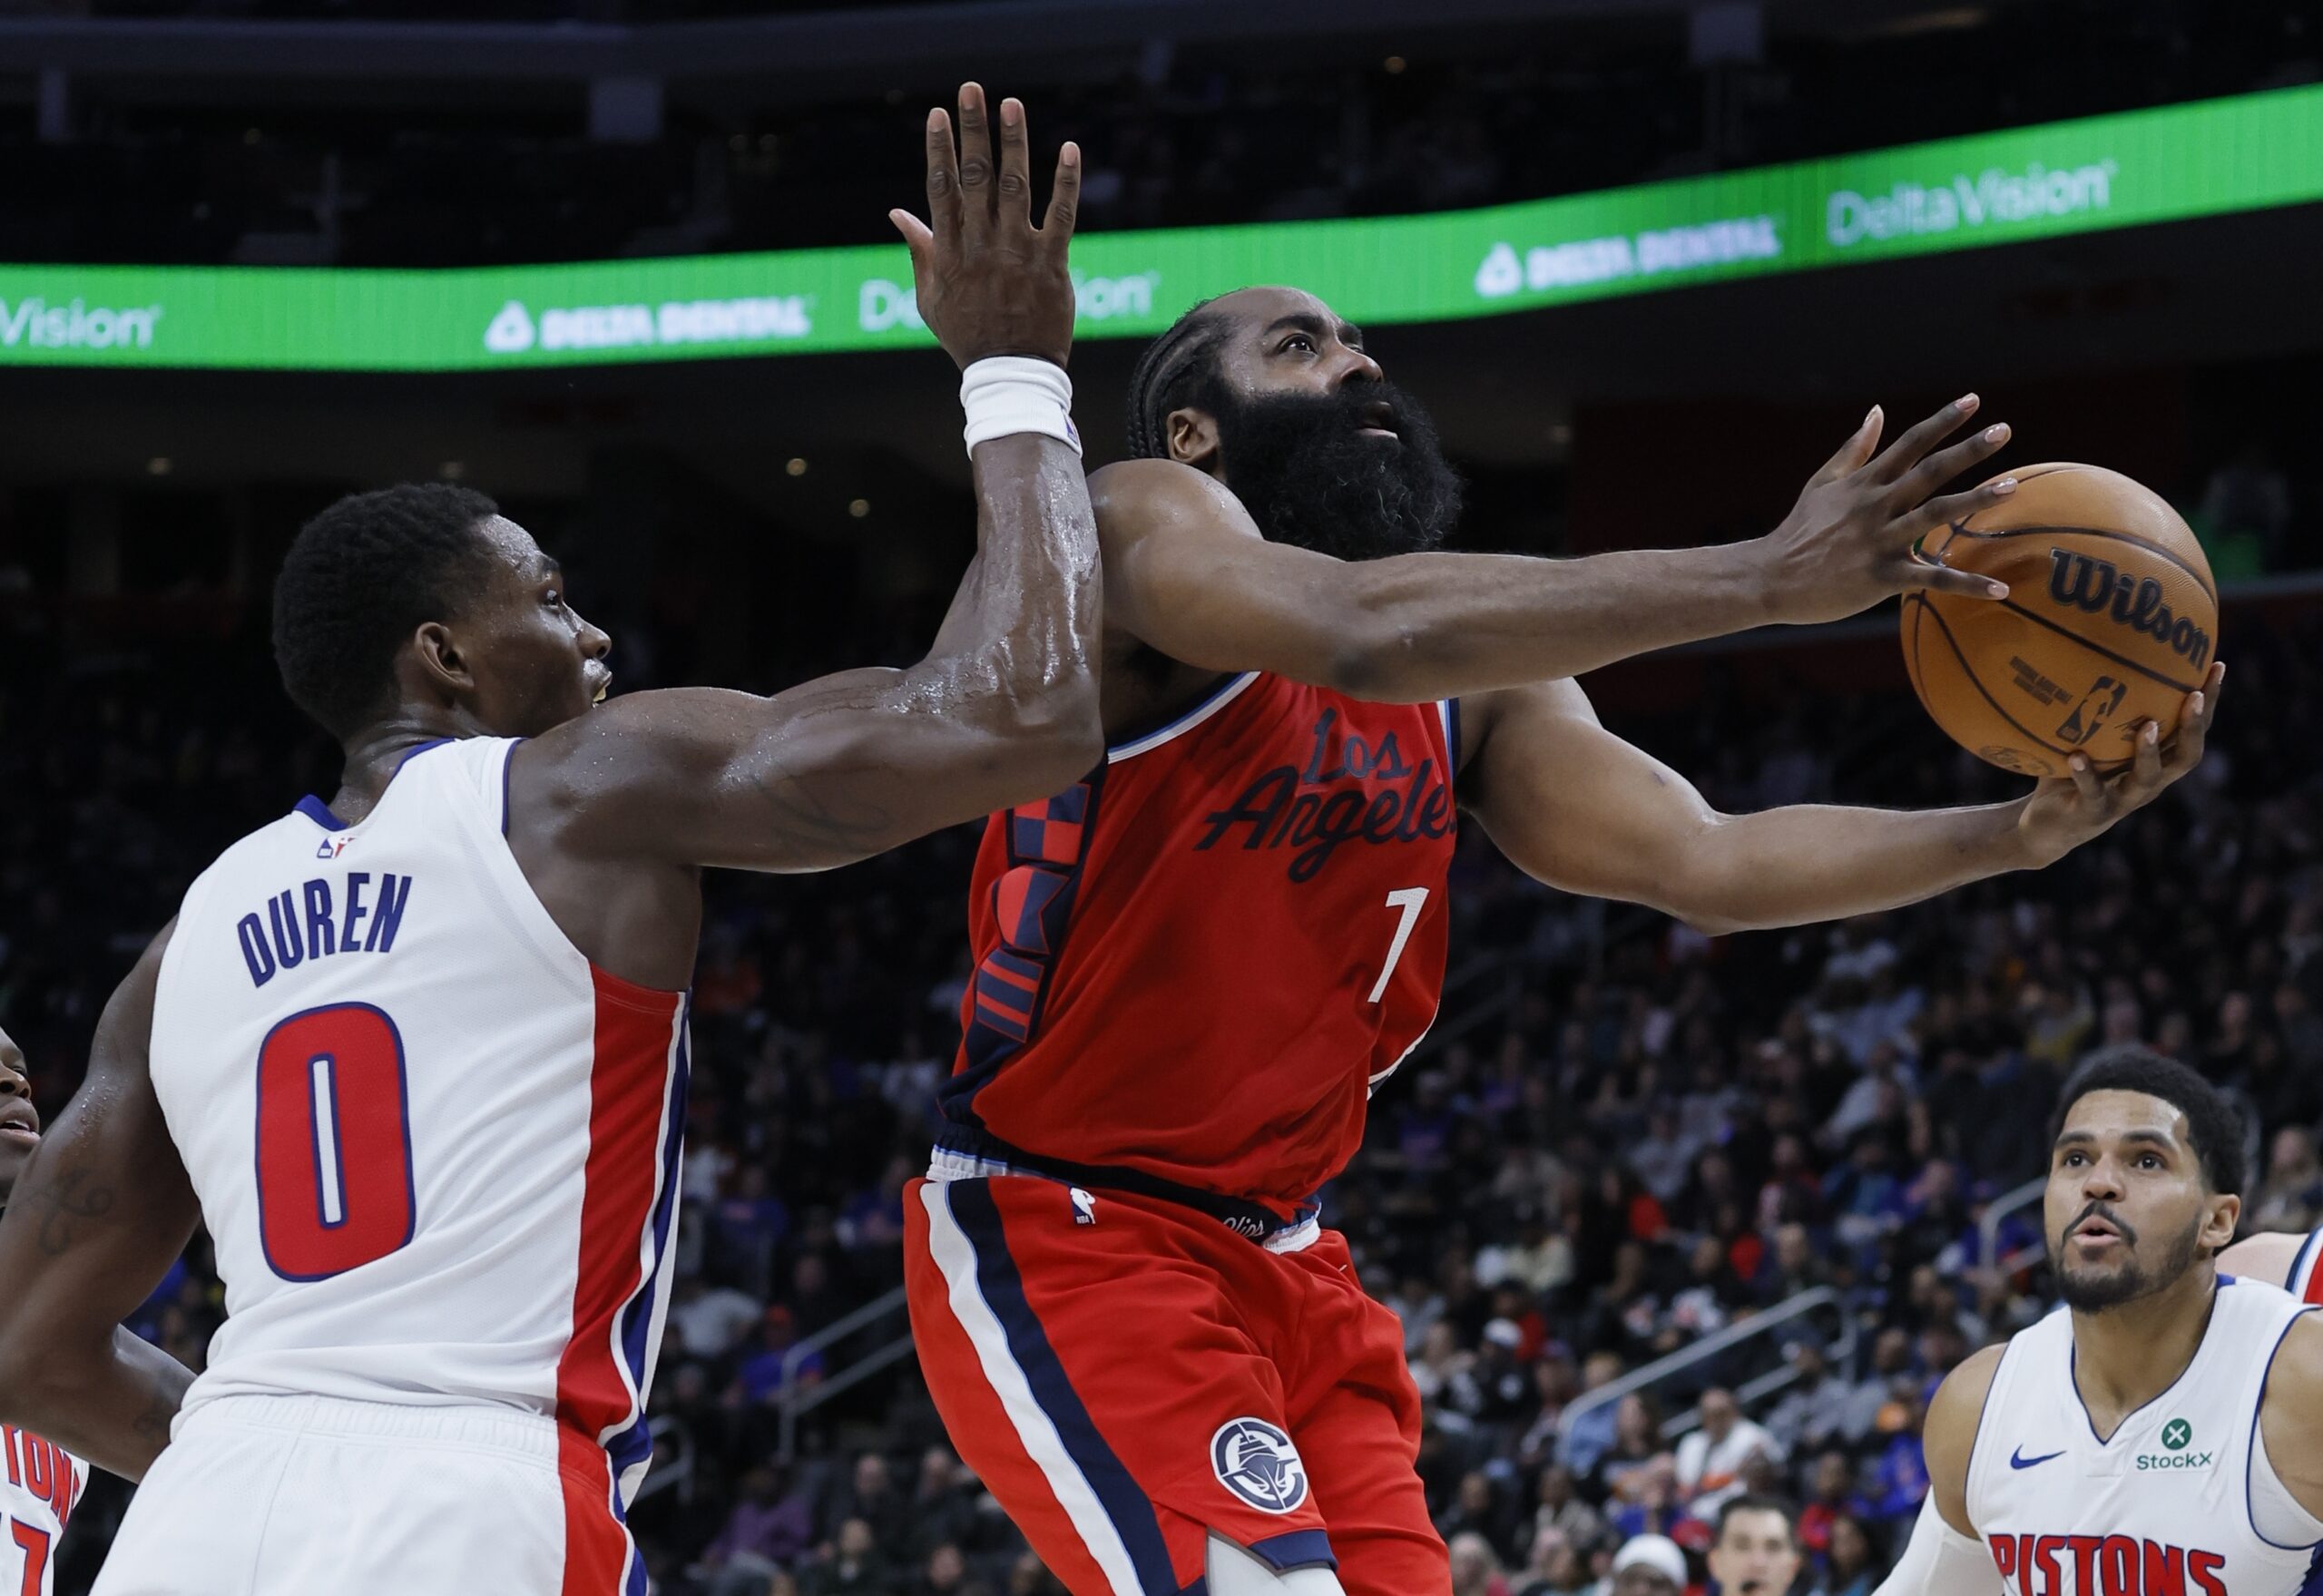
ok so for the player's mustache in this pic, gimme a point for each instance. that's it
(2099, 1211)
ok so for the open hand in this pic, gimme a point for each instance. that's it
(2066, 811)
(988, 281)
(1852, 539)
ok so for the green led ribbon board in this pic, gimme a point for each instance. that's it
(2208, 157)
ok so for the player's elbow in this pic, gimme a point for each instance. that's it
(1054, 729)
(17, 1373)
(1369, 651)
(34, 1367)
(1703, 884)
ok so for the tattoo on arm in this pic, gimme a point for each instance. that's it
(798, 813)
(73, 1197)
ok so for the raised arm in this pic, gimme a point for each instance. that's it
(1188, 574)
(1576, 806)
(1003, 711)
(97, 1217)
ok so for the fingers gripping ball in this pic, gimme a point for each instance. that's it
(2111, 620)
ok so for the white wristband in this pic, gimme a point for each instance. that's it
(1007, 394)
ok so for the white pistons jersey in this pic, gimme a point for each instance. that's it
(39, 1488)
(437, 1148)
(2181, 1501)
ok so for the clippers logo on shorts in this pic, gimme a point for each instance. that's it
(1257, 1462)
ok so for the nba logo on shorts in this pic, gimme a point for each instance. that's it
(1257, 1462)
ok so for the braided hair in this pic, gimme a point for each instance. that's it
(1171, 374)
(360, 578)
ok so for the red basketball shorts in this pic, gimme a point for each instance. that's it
(1128, 1377)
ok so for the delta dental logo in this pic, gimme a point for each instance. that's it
(1653, 253)
(1991, 198)
(881, 306)
(757, 319)
(76, 325)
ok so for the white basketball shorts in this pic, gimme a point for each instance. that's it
(295, 1495)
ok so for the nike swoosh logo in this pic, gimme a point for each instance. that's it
(2018, 1460)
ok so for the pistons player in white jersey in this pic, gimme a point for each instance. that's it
(2161, 1433)
(40, 1482)
(417, 1055)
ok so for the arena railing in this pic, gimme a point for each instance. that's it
(796, 1398)
(1996, 1214)
(1687, 1360)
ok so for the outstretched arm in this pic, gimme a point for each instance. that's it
(1575, 806)
(1188, 574)
(97, 1217)
(1003, 711)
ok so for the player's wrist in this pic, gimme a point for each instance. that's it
(1006, 395)
(2026, 842)
(1752, 574)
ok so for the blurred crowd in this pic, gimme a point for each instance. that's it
(1625, 1138)
(1229, 133)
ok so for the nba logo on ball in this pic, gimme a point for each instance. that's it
(1257, 1462)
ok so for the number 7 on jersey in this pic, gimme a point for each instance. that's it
(1410, 900)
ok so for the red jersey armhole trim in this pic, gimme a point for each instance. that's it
(651, 1000)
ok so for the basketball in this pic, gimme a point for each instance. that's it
(2111, 620)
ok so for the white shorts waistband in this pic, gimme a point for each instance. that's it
(497, 1429)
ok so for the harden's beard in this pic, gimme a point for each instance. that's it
(2094, 1293)
(1310, 476)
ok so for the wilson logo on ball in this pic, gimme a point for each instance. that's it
(2092, 584)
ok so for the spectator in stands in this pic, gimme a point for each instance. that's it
(1555, 1382)
(709, 1319)
(945, 1573)
(1831, 1495)
(1792, 1264)
(1555, 1567)
(1852, 1565)
(759, 1376)
(1899, 1476)
(1664, 1156)
(1891, 1360)
(1710, 1459)
(944, 1501)
(1755, 1552)
(2291, 1196)
(1593, 1432)
(872, 1498)
(1637, 1443)
(1476, 1567)
(1560, 1513)
(855, 1566)
(750, 1224)
(1648, 1501)
(1813, 1411)
(1481, 1507)
(1648, 1565)
(1503, 1384)
(765, 1533)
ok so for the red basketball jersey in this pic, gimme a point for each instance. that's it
(1192, 966)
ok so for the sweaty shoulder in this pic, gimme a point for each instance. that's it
(1954, 1415)
(1135, 498)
